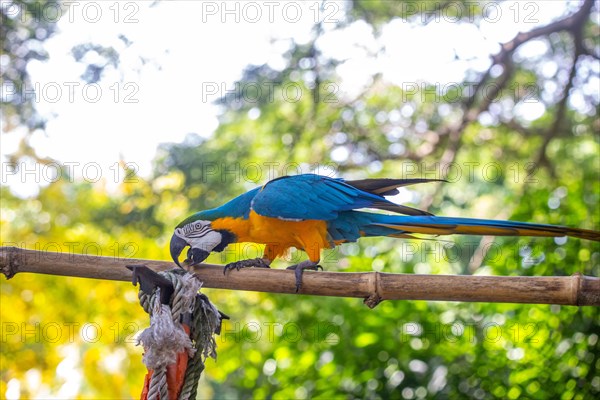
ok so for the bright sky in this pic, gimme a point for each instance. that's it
(181, 54)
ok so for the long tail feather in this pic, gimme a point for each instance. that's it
(432, 225)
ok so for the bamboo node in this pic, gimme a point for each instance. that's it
(375, 298)
(575, 288)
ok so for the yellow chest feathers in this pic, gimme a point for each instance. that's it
(258, 229)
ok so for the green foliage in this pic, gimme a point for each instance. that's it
(24, 27)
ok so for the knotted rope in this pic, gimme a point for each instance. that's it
(166, 336)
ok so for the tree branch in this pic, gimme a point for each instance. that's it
(576, 29)
(574, 21)
(371, 286)
(471, 111)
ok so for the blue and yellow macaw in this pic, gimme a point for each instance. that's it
(312, 212)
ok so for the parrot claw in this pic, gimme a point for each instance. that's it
(299, 270)
(253, 262)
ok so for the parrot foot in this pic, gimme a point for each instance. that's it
(299, 270)
(253, 262)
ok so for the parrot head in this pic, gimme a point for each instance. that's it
(202, 239)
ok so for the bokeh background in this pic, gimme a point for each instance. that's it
(119, 119)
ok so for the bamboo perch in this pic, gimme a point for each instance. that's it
(372, 286)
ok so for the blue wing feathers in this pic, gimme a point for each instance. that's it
(311, 196)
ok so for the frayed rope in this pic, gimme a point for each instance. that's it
(166, 338)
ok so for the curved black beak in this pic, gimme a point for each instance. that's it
(177, 246)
